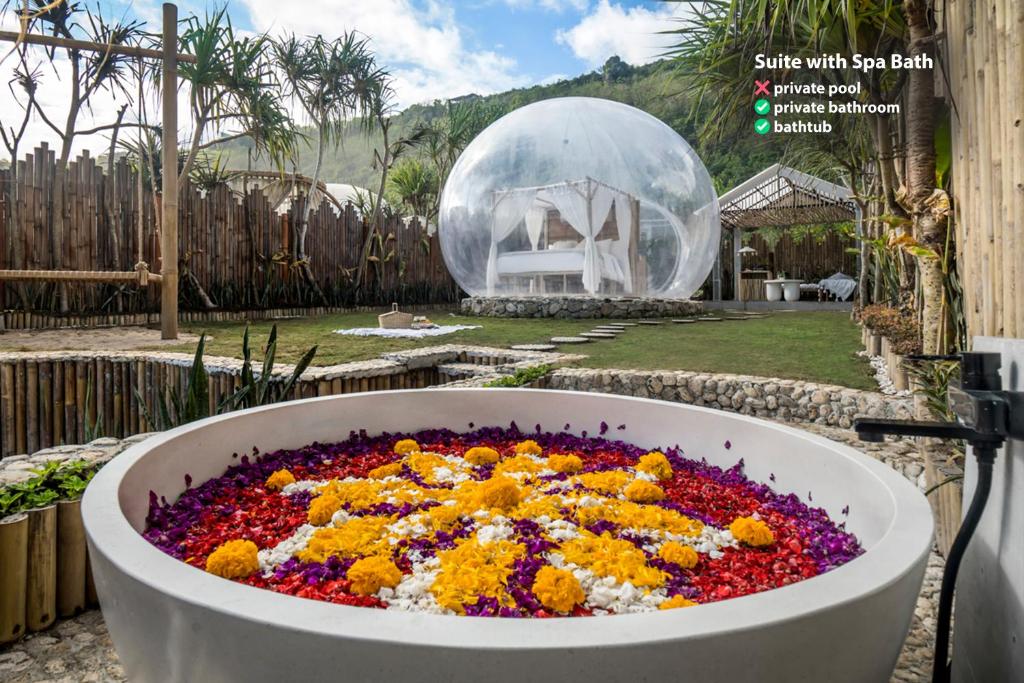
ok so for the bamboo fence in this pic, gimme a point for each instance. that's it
(985, 61)
(236, 246)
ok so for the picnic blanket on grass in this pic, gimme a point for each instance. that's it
(405, 333)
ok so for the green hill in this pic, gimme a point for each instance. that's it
(654, 88)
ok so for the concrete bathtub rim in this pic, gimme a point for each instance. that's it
(900, 550)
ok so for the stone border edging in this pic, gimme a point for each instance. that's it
(578, 307)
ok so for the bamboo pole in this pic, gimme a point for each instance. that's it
(41, 587)
(54, 41)
(70, 558)
(13, 576)
(169, 225)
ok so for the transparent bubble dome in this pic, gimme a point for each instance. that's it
(579, 195)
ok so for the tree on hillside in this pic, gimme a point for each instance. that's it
(332, 82)
(615, 69)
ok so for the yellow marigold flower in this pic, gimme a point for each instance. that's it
(442, 517)
(607, 556)
(570, 464)
(557, 589)
(609, 482)
(528, 447)
(390, 470)
(641, 491)
(322, 508)
(482, 455)
(677, 553)
(751, 531)
(677, 601)
(406, 446)
(498, 492)
(234, 560)
(357, 537)
(369, 574)
(655, 463)
(278, 480)
(470, 570)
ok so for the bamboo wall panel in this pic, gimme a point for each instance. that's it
(234, 245)
(985, 57)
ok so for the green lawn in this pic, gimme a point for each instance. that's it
(818, 346)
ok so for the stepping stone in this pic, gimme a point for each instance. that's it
(569, 340)
(533, 347)
(621, 325)
(649, 322)
(710, 319)
(736, 317)
(613, 330)
(684, 321)
(597, 335)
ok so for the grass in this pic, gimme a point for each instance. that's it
(815, 346)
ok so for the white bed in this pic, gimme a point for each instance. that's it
(558, 262)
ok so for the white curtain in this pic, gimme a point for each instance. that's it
(586, 217)
(535, 223)
(624, 222)
(507, 215)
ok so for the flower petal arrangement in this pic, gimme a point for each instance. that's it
(497, 522)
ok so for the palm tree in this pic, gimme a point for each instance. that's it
(332, 83)
(414, 183)
(719, 43)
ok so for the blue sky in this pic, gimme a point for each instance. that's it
(445, 48)
(435, 49)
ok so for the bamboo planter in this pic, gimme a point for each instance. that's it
(71, 559)
(41, 582)
(13, 573)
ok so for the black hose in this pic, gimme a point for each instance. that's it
(985, 456)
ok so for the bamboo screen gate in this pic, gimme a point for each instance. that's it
(235, 246)
(985, 57)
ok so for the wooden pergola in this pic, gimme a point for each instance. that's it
(779, 196)
(168, 277)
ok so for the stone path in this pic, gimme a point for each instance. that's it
(93, 339)
(79, 649)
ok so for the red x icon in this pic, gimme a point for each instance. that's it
(761, 87)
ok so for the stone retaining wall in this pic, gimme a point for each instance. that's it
(791, 400)
(582, 307)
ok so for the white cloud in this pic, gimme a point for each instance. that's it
(423, 47)
(632, 34)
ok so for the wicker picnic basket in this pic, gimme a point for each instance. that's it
(394, 319)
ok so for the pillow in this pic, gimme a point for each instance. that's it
(564, 244)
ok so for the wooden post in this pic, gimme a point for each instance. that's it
(169, 225)
(737, 263)
(13, 570)
(41, 589)
(70, 558)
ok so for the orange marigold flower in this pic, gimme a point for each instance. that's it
(528, 447)
(677, 553)
(751, 531)
(557, 589)
(406, 446)
(322, 508)
(655, 463)
(482, 455)
(369, 574)
(278, 480)
(390, 470)
(498, 492)
(234, 560)
(641, 491)
(677, 601)
(570, 464)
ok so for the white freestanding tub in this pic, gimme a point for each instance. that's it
(172, 622)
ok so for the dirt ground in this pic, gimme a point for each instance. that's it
(98, 339)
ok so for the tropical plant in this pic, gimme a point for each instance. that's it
(261, 390)
(522, 377)
(173, 407)
(54, 481)
(332, 81)
(415, 185)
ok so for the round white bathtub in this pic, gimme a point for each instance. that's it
(172, 622)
